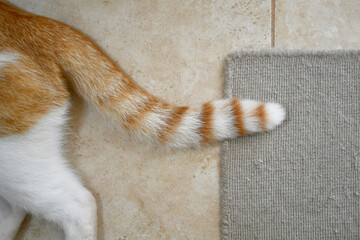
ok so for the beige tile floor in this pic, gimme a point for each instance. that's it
(175, 50)
(317, 24)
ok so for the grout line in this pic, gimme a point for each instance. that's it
(272, 23)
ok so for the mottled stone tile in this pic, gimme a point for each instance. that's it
(317, 24)
(174, 49)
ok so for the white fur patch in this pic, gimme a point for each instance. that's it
(7, 57)
(150, 125)
(251, 121)
(187, 133)
(275, 114)
(223, 120)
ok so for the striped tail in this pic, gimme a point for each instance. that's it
(181, 127)
(150, 119)
(101, 83)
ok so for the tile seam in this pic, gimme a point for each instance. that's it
(272, 23)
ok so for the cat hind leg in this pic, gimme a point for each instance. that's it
(35, 175)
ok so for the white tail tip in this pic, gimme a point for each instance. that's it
(275, 115)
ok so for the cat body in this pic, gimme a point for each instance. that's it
(40, 59)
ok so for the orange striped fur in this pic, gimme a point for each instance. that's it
(261, 114)
(172, 123)
(206, 130)
(239, 122)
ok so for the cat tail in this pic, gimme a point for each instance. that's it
(101, 83)
(181, 127)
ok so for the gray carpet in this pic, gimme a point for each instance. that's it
(301, 180)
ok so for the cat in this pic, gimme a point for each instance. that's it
(40, 60)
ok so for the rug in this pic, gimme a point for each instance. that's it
(301, 180)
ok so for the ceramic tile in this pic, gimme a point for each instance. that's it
(317, 24)
(174, 49)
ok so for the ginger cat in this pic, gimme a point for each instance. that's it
(39, 60)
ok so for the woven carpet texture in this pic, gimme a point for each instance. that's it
(301, 180)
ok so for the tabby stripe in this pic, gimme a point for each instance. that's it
(239, 117)
(206, 130)
(261, 114)
(172, 123)
(124, 92)
(136, 118)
